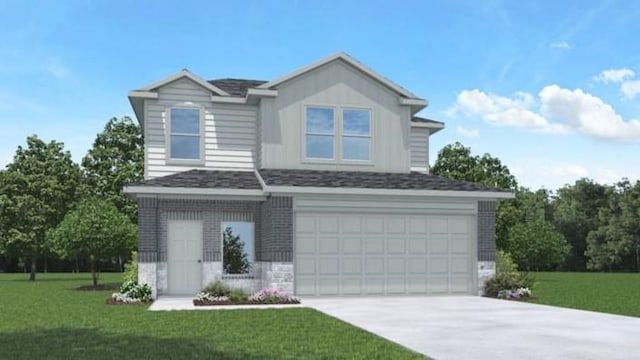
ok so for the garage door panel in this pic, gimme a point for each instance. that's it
(396, 245)
(328, 224)
(351, 224)
(351, 266)
(328, 266)
(352, 245)
(353, 254)
(374, 245)
(374, 266)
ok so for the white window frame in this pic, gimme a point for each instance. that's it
(343, 135)
(338, 134)
(169, 134)
(307, 132)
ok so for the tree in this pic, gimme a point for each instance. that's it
(456, 162)
(234, 257)
(116, 159)
(526, 206)
(537, 245)
(95, 229)
(36, 191)
(576, 212)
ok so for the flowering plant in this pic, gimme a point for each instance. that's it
(203, 296)
(273, 296)
(132, 292)
(516, 294)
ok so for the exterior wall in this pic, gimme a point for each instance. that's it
(277, 229)
(486, 242)
(335, 84)
(419, 149)
(229, 130)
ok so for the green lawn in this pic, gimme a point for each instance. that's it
(605, 292)
(49, 319)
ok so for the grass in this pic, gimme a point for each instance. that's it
(49, 319)
(615, 293)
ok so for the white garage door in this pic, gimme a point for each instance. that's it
(347, 254)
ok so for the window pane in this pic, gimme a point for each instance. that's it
(319, 147)
(355, 122)
(185, 121)
(237, 247)
(185, 147)
(355, 148)
(320, 120)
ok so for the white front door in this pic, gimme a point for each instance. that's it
(184, 255)
(377, 254)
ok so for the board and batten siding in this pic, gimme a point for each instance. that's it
(335, 84)
(229, 130)
(420, 149)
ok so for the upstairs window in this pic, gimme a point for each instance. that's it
(320, 133)
(356, 134)
(184, 134)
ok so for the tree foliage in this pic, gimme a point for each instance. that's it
(95, 229)
(116, 159)
(36, 191)
(234, 257)
(537, 245)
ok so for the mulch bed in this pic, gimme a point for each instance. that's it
(220, 303)
(105, 287)
(111, 301)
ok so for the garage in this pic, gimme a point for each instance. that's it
(383, 254)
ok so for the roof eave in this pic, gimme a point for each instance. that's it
(494, 195)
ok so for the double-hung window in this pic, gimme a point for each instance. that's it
(184, 134)
(320, 133)
(356, 134)
(346, 129)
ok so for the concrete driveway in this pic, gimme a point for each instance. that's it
(471, 327)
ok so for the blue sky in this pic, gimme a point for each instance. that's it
(551, 88)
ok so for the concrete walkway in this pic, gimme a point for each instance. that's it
(169, 303)
(470, 327)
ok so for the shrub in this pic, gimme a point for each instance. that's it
(502, 281)
(131, 268)
(238, 295)
(203, 296)
(505, 264)
(217, 289)
(272, 296)
(516, 294)
(131, 292)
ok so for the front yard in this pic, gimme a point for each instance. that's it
(615, 293)
(49, 319)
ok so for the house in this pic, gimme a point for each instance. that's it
(316, 183)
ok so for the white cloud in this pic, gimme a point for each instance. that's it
(561, 45)
(554, 176)
(614, 75)
(558, 111)
(469, 133)
(630, 89)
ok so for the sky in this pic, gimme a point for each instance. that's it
(551, 88)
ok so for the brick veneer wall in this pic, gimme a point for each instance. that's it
(277, 229)
(486, 230)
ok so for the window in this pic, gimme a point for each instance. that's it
(320, 133)
(356, 134)
(184, 134)
(237, 247)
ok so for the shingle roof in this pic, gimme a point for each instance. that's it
(207, 179)
(425, 120)
(236, 87)
(366, 180)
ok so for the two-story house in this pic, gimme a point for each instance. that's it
(316, 183)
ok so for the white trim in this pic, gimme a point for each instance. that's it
(140, 190)
(420, 124)
(228, 99)
(201, 112)
(188, 75)
(143, 94)
(351, 61)
(262, 92)
(388, 192)
(414, 102)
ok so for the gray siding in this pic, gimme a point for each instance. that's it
(229, 130)
(420, 149)
(486, 230)
(335, 84)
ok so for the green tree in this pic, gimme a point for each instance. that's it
(537, 245)
(36, 191)
(116, 159)
(576, 212)
(95, 229)
(526, 206)
(234, 257)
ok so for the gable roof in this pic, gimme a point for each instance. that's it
(349, 60)
(184, 73)
(236, 87)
